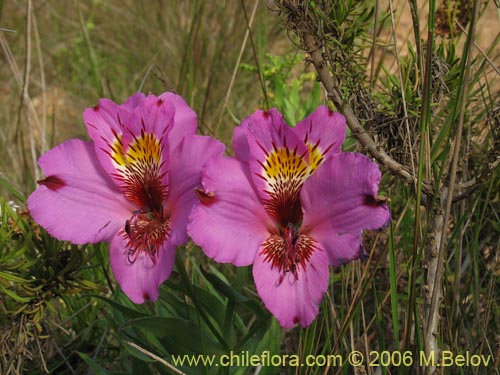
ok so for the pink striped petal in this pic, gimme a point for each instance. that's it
(278, 160)
(323, 131)
(105, 124)
(292, 299)
(154, 116)
(268, 129)
(140, 280)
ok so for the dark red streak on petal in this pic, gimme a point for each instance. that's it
(52, 182)
(373, 202)
(205, 198)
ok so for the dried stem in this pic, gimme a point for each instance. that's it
(313, 47)
(436, 263)
(434, 273)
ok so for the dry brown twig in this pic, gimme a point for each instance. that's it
(313, 47)
(298, 19)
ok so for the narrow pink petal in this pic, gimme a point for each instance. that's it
(187, 162)
(146, 136)
(153, 115)
(77, 201)
(168, 118)
(273, 150)
(341, 197)
(185, 119)
(106, 124)
(140, 280)
(241, 133)
(134, 101)
(229, 223)
(323, 130)
(292, 300)
(267, 127)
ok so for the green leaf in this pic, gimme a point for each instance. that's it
(16, 279)
(224, 288)
(14, 296)
(6, 184)
(127, 311)
(96, 369)
(180, 332)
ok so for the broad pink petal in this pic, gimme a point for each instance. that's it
(341, 197)
(229, 223)
(323, 128)
(340, 248)
(186, 165)
(292, 301)
(140, 280)
(185, 119)
(77, 201)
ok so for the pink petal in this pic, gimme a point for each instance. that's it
(106, 124)
(134, 101)
(185, 119)
(77, 201)
(268, 133)
(229, 222)
(187, 162)
(324, 128)
(292, 300)
(340, 248)
(240, 136)
(267, 127)
(140, 280)
(153, 115)
(340, 199)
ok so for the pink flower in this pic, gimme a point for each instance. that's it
(290, 203)
(133, 186)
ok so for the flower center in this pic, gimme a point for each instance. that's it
(139, 170)
(288, 251)
(140, 173)
(285, 172)
(145, 232)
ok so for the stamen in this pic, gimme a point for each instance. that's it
(288, 251)
(145, 232)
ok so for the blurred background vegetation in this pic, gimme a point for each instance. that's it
(60, 308)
